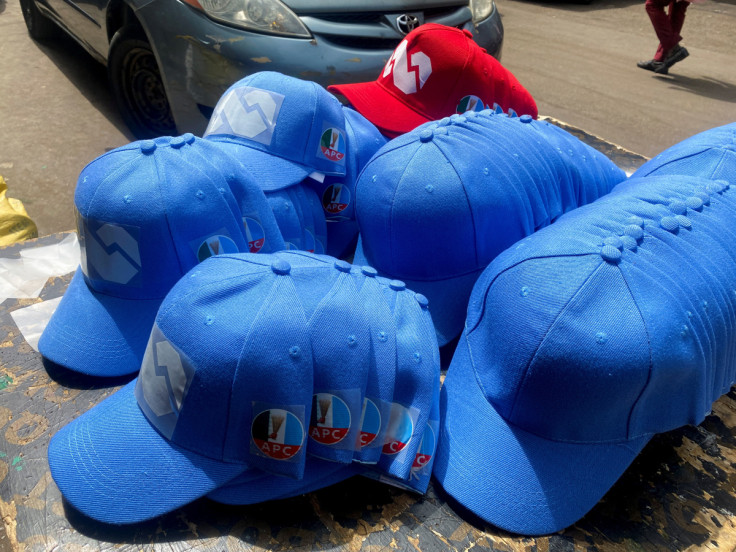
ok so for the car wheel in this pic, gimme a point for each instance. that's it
(137, 85)
(38, 25)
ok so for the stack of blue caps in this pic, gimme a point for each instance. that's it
(436, 205)
(337, 193)
(264, 376)
(146, 213)
(288, 132)
(584, 340)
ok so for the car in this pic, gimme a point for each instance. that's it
(169, 61)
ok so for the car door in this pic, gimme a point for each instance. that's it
(85, 21)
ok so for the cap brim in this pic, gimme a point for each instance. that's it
(448, 298)
(380, 107)
(271, 171)
(96, 334)
(113, 466)
(258, 486)
(509, 477)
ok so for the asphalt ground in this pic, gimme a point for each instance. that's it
(578, 60)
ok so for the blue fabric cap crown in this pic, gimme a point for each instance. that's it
(299, 218)
(337, 193)
(147, 212)
(581, 342)
(281, 128)
(436, 205)
(710, 154)
(244, 372)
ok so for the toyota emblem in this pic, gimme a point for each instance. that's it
(407, 23)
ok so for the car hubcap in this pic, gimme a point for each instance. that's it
(145, 92)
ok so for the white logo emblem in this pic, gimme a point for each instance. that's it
(406, 74)
(247, 112)
(114, 257)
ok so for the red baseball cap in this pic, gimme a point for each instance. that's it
(434, 72)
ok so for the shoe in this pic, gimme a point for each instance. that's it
(653, 65)
(678, 53)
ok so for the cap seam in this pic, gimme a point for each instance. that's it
(629, 421)
(390, 232)
(523, 376)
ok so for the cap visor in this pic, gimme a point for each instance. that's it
(98, 334)
(448, 298)
(509, 477)
(380, 107)
(257, 486)
(113, 466)
(271, 171)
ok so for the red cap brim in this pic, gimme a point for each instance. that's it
(372, 100)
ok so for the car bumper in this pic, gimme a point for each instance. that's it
(203, 58)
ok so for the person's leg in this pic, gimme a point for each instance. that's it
(662, 25)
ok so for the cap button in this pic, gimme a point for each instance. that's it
(369, 271)
(426, 135)
(148, 146)
(669, 223)
(678, 207)
(684, 221)
(188, 137)
(610, 253)
(422, 300)
(177, 142)
(695, 203)
(280, 266)
(634, 231)
(526, 119)
(614, 241)
(397, 285)
(342, 266)
(636, 221)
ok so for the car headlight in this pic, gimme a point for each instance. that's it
(481, 9)
(268, 16)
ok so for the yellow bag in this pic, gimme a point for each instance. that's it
(15, 224)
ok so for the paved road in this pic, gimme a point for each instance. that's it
(56, 113)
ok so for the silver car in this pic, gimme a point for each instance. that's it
(169, 61)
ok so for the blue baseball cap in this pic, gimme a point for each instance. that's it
(261, 230)
(584, 340)
(146, 213)
(437, 204)
(299, 218)
(255, 486)
(281, 128)
(709, 154)
(226, 388)
(337, 193)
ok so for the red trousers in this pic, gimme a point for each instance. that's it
(666, 25)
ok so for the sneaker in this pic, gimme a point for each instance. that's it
(653, 65)
(678, 53)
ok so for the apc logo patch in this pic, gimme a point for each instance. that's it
(400, 429)
(255, 234)
(330, 420)
(277, 433)
(215, 245)
(336, 198)
(371, 423)
(332, 144)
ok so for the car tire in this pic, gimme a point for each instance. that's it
(39, 26)
(136, 83)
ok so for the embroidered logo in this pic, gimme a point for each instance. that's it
(215, 245)
(470, 103)
(426, 449)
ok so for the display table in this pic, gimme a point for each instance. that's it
(678, 494)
